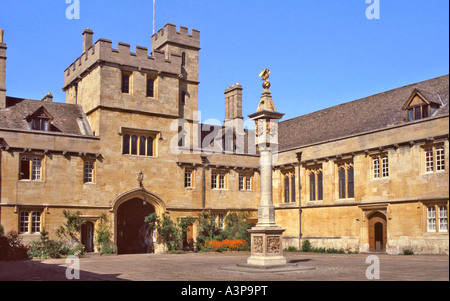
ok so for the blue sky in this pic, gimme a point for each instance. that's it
(321, 52)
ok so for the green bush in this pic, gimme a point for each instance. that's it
(290, 249)
(236, 226)
(306, 246)
(103, 236)
(408, 252)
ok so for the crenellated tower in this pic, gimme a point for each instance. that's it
(163, 82)
(186, 46)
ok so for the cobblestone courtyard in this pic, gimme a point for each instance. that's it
(209, 267)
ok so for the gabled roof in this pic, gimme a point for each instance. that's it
(363, 115)
(40, 112)
(66, 117)
(425, 96)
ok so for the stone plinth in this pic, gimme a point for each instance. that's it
(266, 246)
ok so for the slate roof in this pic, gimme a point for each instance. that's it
(367, 114)
(64, 115)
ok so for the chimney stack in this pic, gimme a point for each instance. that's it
(48, 97)
(233, 102)
(234, 122)
(2, 71)
(87, 39)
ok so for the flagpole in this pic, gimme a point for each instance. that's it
(153, 16)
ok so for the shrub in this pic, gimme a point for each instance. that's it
(290, 249)
(236, 226)
(408, 252)
(71, 227)
(169, 232)
(207, 230)
(77, 250)
(306, 246)
(103, 237)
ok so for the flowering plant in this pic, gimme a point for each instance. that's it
(227, 245)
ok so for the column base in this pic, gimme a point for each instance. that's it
(266, 248)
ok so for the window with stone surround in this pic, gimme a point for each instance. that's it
(289, 194)
(126, 81)
(139, 143)
(30, 221)
(380, 166)
(245, 182)
(88, 172)
(150, 89)
(437, 218)
(433, 158)
(315, 177)
(188, 178)
(345, 180)
(219, 179)
(31, 168)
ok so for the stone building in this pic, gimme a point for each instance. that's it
(371, 174)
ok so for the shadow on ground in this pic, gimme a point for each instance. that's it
(36, 270)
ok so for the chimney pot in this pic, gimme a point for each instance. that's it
(1, 35)
(48, 97)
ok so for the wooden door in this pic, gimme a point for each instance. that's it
(377, 232)
(87, 236)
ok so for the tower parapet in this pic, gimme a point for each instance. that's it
(169, 34)
(102, 52)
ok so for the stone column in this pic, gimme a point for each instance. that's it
(266, 236)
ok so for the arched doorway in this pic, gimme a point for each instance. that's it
(133, 234)
(87, 236)
(377, 232)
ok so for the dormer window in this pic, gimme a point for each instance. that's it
(41, 123)
(418, 112)
(40, 120)
(420, 105)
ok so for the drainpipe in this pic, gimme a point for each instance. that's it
(299, 159)
(204, 162)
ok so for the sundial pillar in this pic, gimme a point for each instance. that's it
(266, 236)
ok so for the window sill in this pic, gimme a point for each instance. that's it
(313, 203)
(31, 181)
(344, 201)
(288, 205)
(139, 156)
(436, 233)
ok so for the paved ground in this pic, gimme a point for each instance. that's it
(208, 267)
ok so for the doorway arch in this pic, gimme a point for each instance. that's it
(377, 231)
(87, 236)
(131, 233)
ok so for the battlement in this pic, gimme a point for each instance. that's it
(169, 34)
(102, 52)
